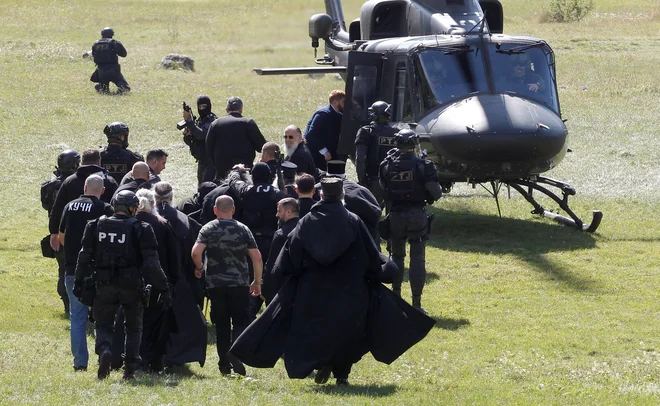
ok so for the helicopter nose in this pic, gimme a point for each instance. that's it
(497, 128)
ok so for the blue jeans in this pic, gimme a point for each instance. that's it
(78, 313)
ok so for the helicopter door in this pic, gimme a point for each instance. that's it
(363, 76)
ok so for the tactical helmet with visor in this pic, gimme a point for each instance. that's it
(407, 137)
(124, 201)
(115, 131)
(68, 160)
(107, 32)
(380, 111)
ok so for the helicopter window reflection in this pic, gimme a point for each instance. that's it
(364, 89)
(448, 74)
(402, 107)
(528, 73)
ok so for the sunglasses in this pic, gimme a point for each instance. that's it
(289, 137)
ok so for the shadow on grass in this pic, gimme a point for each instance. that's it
(369, 391)
(446, 323)
(169, 378)
(529, 240)
(430, 276)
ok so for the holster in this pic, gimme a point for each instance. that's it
(46, 250)
(88, 291)
(429, 222)
(384, 228)
(146, 296)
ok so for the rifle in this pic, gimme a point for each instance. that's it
(182, 124)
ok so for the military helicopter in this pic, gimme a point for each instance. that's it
(484, 104)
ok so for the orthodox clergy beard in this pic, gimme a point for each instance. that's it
(290, 151)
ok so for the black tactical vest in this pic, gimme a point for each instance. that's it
(117, 161)
(115, 249)
(49, 191)
(259, 209)
(384, 138)
(405, 181)
(104, 52)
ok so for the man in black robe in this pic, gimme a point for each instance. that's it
(332, 310)
(358, 199)
(158, 321)
(287, 214)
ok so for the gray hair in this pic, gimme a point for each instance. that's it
(164, 192)
(147, 204)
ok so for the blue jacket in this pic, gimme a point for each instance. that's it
(322, 131)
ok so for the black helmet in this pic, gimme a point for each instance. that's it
(406, 137)
(380, 110)
(125, 198)
(68, 160)
(107, 32)
(115, 130)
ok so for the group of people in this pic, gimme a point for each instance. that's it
(290, 230)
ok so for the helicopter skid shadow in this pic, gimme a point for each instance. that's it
(528, 240)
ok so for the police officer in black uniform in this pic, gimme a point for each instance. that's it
(118, 250)
(372, 143)
(409, 183)
(105, 52)
(194, 135)
(67, 163)
(116, 158)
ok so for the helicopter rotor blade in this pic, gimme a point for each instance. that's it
(299, 71)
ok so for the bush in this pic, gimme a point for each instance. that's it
(566, 11)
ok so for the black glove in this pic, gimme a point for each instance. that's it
(165, 299)
(78, 288)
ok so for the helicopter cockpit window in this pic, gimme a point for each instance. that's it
(527, 71)
(447, 74)
(364, 90)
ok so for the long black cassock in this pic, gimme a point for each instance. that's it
(333, 309)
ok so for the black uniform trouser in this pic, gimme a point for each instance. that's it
(110, 73)
(109, 297)
(205, 172)
(61, 288)
(410, 224)
(229, 306)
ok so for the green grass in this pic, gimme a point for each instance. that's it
(528, 312)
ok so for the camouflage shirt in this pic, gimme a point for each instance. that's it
(227, 243)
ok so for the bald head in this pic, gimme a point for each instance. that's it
(224, 207)
(140, 171)
(94, 186)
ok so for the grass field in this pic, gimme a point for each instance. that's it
(528, 312)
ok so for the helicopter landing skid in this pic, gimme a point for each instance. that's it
(567, 190)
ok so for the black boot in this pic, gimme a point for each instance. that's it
(130, 367)
(396, 288)
(104, 363)
(323, 375)
(417, 303)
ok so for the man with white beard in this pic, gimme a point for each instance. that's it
(297, 152)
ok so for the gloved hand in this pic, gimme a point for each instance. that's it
(78, 288)
(165, 299)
